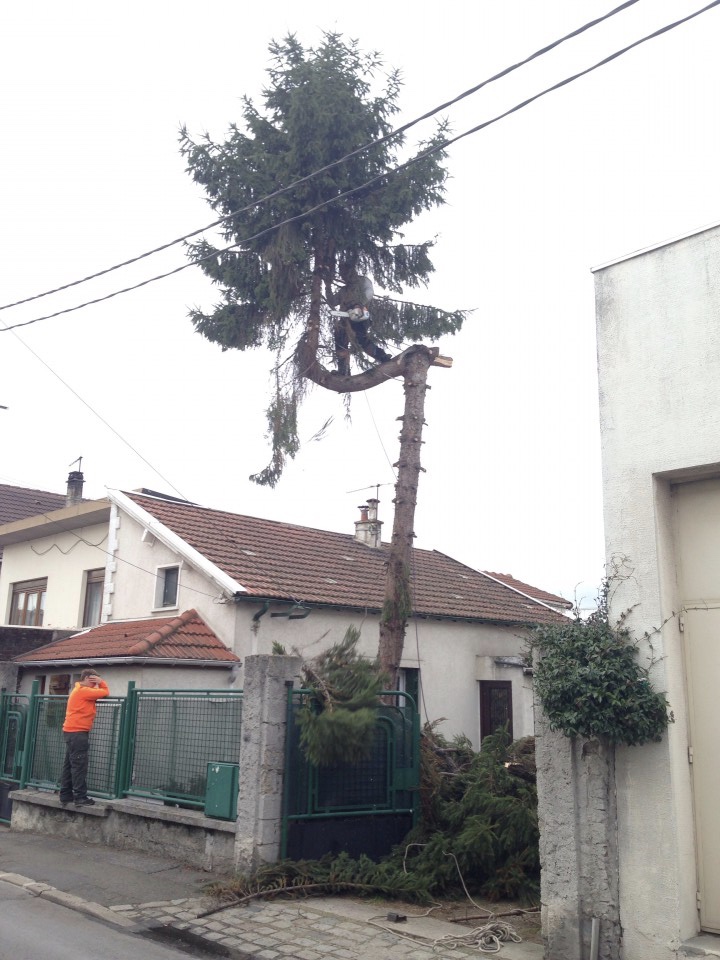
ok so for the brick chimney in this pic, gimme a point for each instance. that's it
(75, 483)
(368, 529)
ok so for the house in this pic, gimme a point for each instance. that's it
(659, 378)
(255, 583)
(21, 626)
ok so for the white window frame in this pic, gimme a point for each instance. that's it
(160, 573)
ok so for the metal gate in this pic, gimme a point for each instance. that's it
(13, 719)
(358, 808)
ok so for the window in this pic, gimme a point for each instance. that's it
(166, 592)
(94, 580)
(410, 683)
(495, 706)
(60, 684)
(28, 603)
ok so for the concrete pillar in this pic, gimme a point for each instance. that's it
(262, 759)
(577, 813)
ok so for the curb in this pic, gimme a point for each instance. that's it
(70, 900)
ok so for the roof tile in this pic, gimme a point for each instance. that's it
(185, 637)
(283, 561)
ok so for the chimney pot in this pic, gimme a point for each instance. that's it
(368, 529)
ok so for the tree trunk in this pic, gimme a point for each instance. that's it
(398, 584)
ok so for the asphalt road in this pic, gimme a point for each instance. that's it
(32, 928)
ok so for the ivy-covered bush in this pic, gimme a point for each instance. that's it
(590, 684)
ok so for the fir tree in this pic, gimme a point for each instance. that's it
(282, 275)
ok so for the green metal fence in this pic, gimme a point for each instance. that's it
(358, 807)
(13, 717)
(152, 743)
(173, 735)
(47, 747)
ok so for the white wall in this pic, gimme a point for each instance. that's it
(63, 558)
(146, 677)
(659, 378)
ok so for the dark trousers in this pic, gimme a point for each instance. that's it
(73, 779)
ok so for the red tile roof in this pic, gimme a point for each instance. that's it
(186, 637)
(535, 592)
(281, 561)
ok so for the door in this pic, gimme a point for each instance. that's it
(697, 538)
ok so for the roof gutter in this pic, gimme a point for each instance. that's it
(415, 615)
(229, 587)
(122, 661)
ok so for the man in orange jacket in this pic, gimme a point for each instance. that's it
(79, 717)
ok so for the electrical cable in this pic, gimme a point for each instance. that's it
(436, 148)
(330, 166)
(114, 556)
(95, 413)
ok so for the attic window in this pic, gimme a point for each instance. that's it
(166, 587)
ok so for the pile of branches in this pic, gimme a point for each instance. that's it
(477, 835)
(338, 720)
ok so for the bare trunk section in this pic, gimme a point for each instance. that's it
(398, 587)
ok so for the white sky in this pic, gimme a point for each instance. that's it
(92, 99)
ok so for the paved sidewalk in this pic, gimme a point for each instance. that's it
(150, 895)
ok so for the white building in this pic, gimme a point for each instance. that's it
(658, 327)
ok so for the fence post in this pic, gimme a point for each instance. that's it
(262, 759)
(29, 734)
(125, 741)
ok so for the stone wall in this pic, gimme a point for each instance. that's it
(578, 845)
(187, 836)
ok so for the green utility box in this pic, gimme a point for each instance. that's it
(222, 790)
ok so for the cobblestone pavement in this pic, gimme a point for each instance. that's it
(303, 931)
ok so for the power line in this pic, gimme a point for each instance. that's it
(115, 556)
(437, 148)
(330, 166)
(95, 413)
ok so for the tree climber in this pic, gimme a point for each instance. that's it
(352, 318)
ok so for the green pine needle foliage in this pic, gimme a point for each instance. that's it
(478, 835)
(337, 723)
(590, 683)
(276, 283)
(479, 819)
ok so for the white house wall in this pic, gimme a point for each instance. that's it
(63, 558)
(134, 581)
(659, 380)
(145, 677)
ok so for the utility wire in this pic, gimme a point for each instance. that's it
(436, 148)
(95, 413)
(330, 166)
(115, 556)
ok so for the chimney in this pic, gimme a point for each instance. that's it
(368, 528)
(75, 483)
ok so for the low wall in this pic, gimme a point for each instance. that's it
(187, 836)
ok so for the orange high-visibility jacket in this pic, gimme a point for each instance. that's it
(81, 707)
